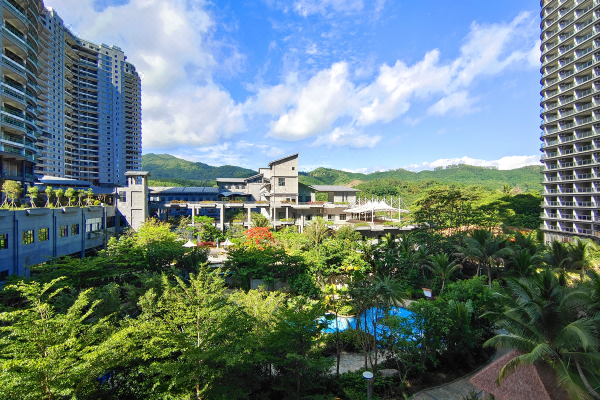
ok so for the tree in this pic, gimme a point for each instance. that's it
(80, 195)
(316, 231)
(485, 249)
(581, 256)
(49, 192)
(70, 193)
(558, 257)
(50, 355)
(545, 323)
(524, 263)
(259, 221)
(12, 190)
(441, 266)
(33, 192)
(259, 237)
(60, 193)
(90, 196)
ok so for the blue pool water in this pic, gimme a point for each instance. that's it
(350, 322)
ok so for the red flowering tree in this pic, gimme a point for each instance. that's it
(259, 237)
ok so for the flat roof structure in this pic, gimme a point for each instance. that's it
(182, 190)
(234, 180)
(333, 188)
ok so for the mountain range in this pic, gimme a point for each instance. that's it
(167, 170)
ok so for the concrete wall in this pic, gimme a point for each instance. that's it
(287, 169)
(134, 207)
(17, 256)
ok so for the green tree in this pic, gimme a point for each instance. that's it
(441, 266)
(524, 263)
(316, 231)
(60, 193)
(50, 355)
(485, 249)
(80, 195)
(544, 323)
(70, 194)
(90, 196)
(49, 192)
(558, 257)
(259, 221)
(12, 191)
(33, 192)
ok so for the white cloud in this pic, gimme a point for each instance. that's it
(308, 7)
(509, 162)
(460, 102)
(170, 43)
(347, 137)
(319, 105)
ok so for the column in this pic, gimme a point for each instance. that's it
(249, 216)
(222, 217)
(287, 213)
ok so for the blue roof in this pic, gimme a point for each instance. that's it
(184, 190)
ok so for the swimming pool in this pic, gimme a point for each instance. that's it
(373, 313)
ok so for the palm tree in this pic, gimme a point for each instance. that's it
(559, 258)
(485, 249)
(507, 189)
(526, 242)
(544, 322)
(581, 255)
(317, 231)
(441, 266)
(260, 221)
(524, 262)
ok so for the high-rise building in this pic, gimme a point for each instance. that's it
(21, 78)
(91, 101)
(570, 126)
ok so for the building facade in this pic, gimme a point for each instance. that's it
(570, 118)
(21, 89)
(91, 115)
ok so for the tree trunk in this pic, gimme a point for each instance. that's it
(585, 382)
(489, 268)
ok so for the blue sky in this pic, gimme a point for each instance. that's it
(361, 85)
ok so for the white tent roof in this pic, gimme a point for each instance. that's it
(372, 206)
(227, 242)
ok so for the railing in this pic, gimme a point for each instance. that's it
(19, 114)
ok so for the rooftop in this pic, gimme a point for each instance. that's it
(284, 158)
(181, 190)
(137, 173)
(53, 180)
(333, 188)
(233, 180)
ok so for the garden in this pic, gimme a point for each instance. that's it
(148, 318)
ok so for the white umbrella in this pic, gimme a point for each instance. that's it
(227, 242)
(189, 244)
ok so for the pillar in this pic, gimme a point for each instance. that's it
(249, 216)
(287, 213)
(221, 217)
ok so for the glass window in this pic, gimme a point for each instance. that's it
(63, 231)
(43, 234)
(27, 237)
(342, 217)
(330, 217)
(281, 181)
(4, 241)
(308, 217)
(123, 197)
(281, 215)
(3, 275)
(74, 229)
(111, 222)
(93, 224)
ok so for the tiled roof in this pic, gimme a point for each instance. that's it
(528, 382)
(183, 190)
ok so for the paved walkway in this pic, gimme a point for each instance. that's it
(457, 389)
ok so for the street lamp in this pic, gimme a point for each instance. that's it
(368, 376)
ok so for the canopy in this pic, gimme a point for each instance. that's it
(372, 206)
(189, 244)
(227, 242)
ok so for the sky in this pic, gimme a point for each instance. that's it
(359, 85)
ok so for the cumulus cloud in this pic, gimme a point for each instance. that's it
(509, 162)
(321, 104)
(170, 43)
(459, 102)
(349, 137)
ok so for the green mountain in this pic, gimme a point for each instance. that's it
(168, 169)
(526, 178)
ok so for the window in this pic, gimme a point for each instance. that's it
(74, 229)
(4, 241)
(27, 237)
(3, 275)
(43, 235)
(342, 217)
(330, 217)
(281, 215)
(293, 168)
(123, 197)
(308, 217)
(93, 224)
(110, 222)
(62, 231)
(281, 181)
